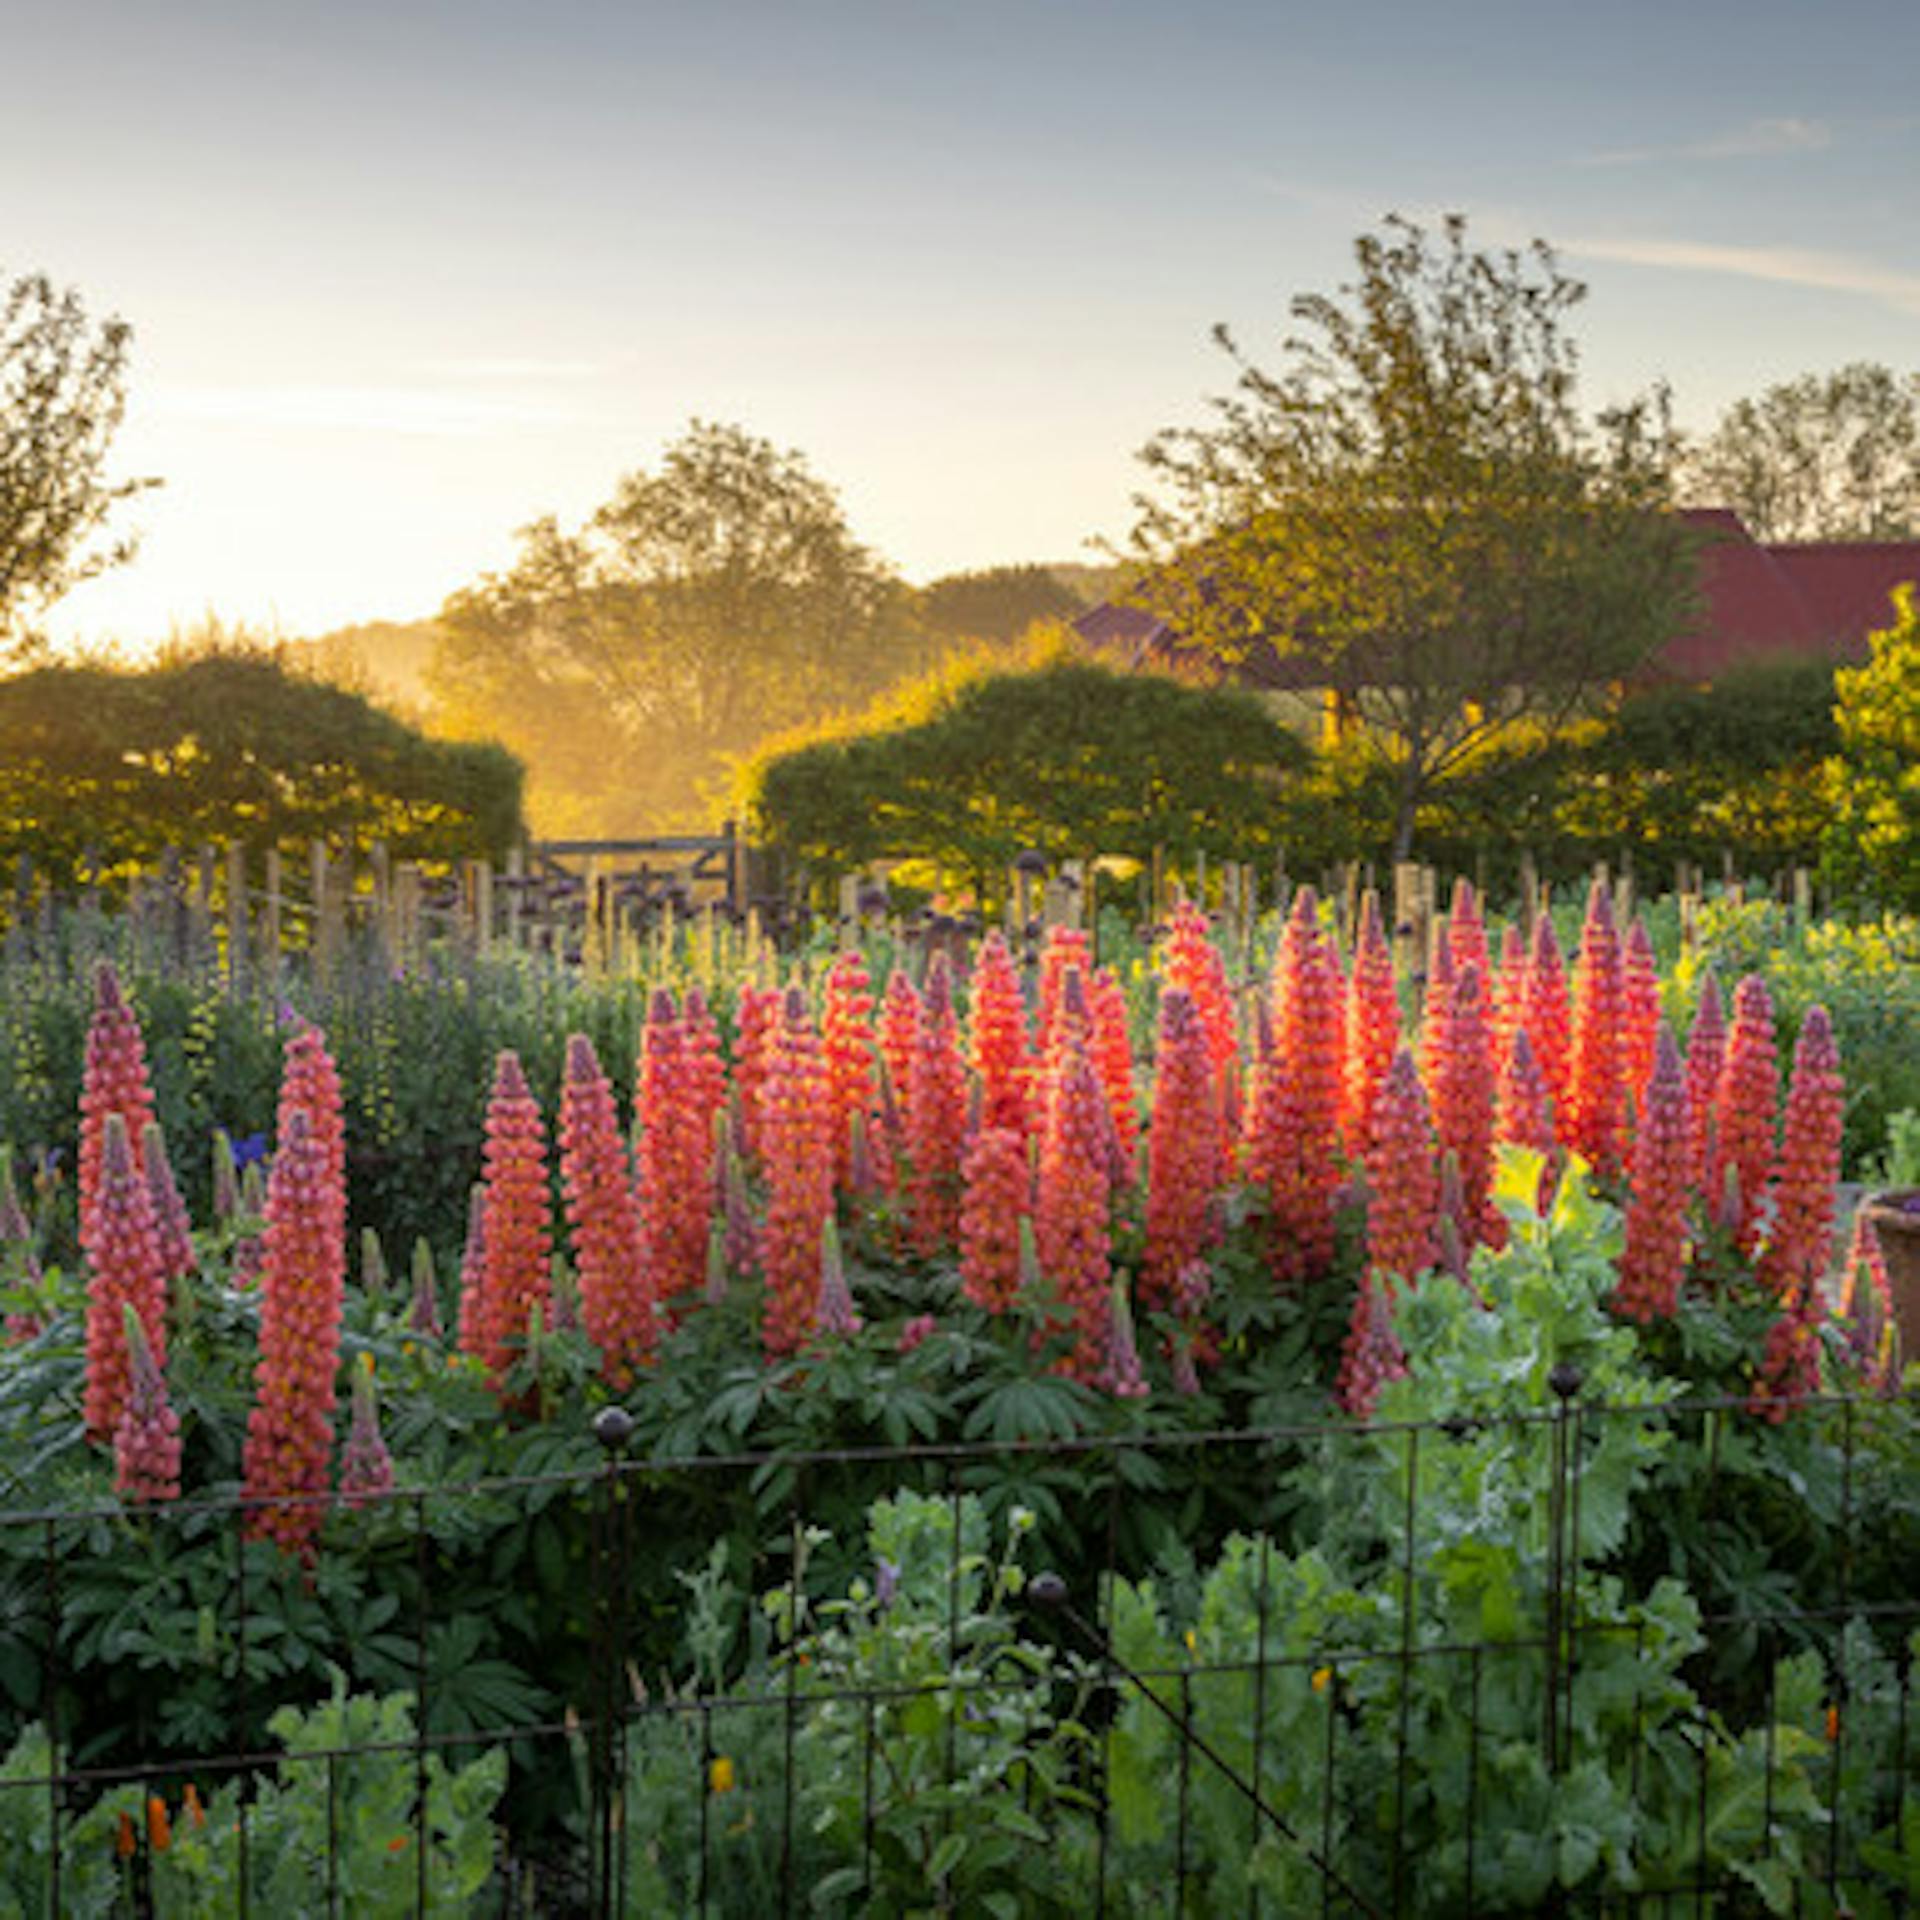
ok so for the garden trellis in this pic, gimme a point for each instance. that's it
(1009, 1694)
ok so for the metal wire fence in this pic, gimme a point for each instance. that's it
(1457, 1674)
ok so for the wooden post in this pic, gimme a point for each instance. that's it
(273, 930)
(406, 914)
(236, 916)
(380, 870)
(476, 902)
(327, 933)
(1408, 930)
(516, 874)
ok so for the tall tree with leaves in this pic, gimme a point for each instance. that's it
(1823, 457)
(62, 394)
(1415, 513)
(708, 603)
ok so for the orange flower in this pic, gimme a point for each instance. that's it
(159, 1828)
(190, 1802)
(1833, 1725)
(124, 1841)
(398, 1844)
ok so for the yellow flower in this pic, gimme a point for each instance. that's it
(1322, 1679)
(1193, 1644)
(720, 1774)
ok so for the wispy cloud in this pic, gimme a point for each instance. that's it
(414, 411)
(507, 367)
(1756, 138)
(1787, 266)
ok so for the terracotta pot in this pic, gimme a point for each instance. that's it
(1895, 1218)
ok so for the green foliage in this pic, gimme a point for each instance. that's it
(334, 1818)
(1874, 838)
(1665, 774)
(62, 394)
(103, 768)
(1389, 1688)
(1069, 755)
(1866, 973)
(1415, 513)
(932, 1750)
(995, 603)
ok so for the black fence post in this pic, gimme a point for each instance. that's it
(613, 1428)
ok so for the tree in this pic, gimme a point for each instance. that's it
(62, 394)
(705, 605)
(995, 603)
(1061, 752)
(1415, 515)
(101, 767)
(1874, 838)
(1819, 458)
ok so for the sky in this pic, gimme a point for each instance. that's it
(404, 276)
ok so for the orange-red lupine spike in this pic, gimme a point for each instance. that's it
(936, 1117)
(852, 1054)
(1372, 1027)
(1800, 1233)
(1509, 995)
(113, 1080)
(146, 1442)
(1403, 1177)
(1548, 1015)
(1183, 1151)
(1071, 1199)
(1464, 1096)
(1112, 1051)
(998, 1048)
(617, 1294)
(1654, 1262)
(1295, 1148)
(1744, 1111)
(1596, 1126)
(1191, 960)
(998, 1195)
(1467, 932)
(1523, 1116)
(1639, 1007)
(798, 1159)
(1065, 951)
(303, 1274)
(126, 1266)
(513, 1277)
(1706, 1055)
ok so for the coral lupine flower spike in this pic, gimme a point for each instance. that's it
(616, 1292)
(936, 1117)
(1801, 1234)
(1744, 1113)
(126, 1268)
(513, 1272)
(114, 1081)
(303, 1276)
(798, 1158)
(1654, 1262)
(1183, 1150)
(1597, 1068)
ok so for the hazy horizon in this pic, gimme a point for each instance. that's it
(403, 278)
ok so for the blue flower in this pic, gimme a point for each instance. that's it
(249, 1148)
